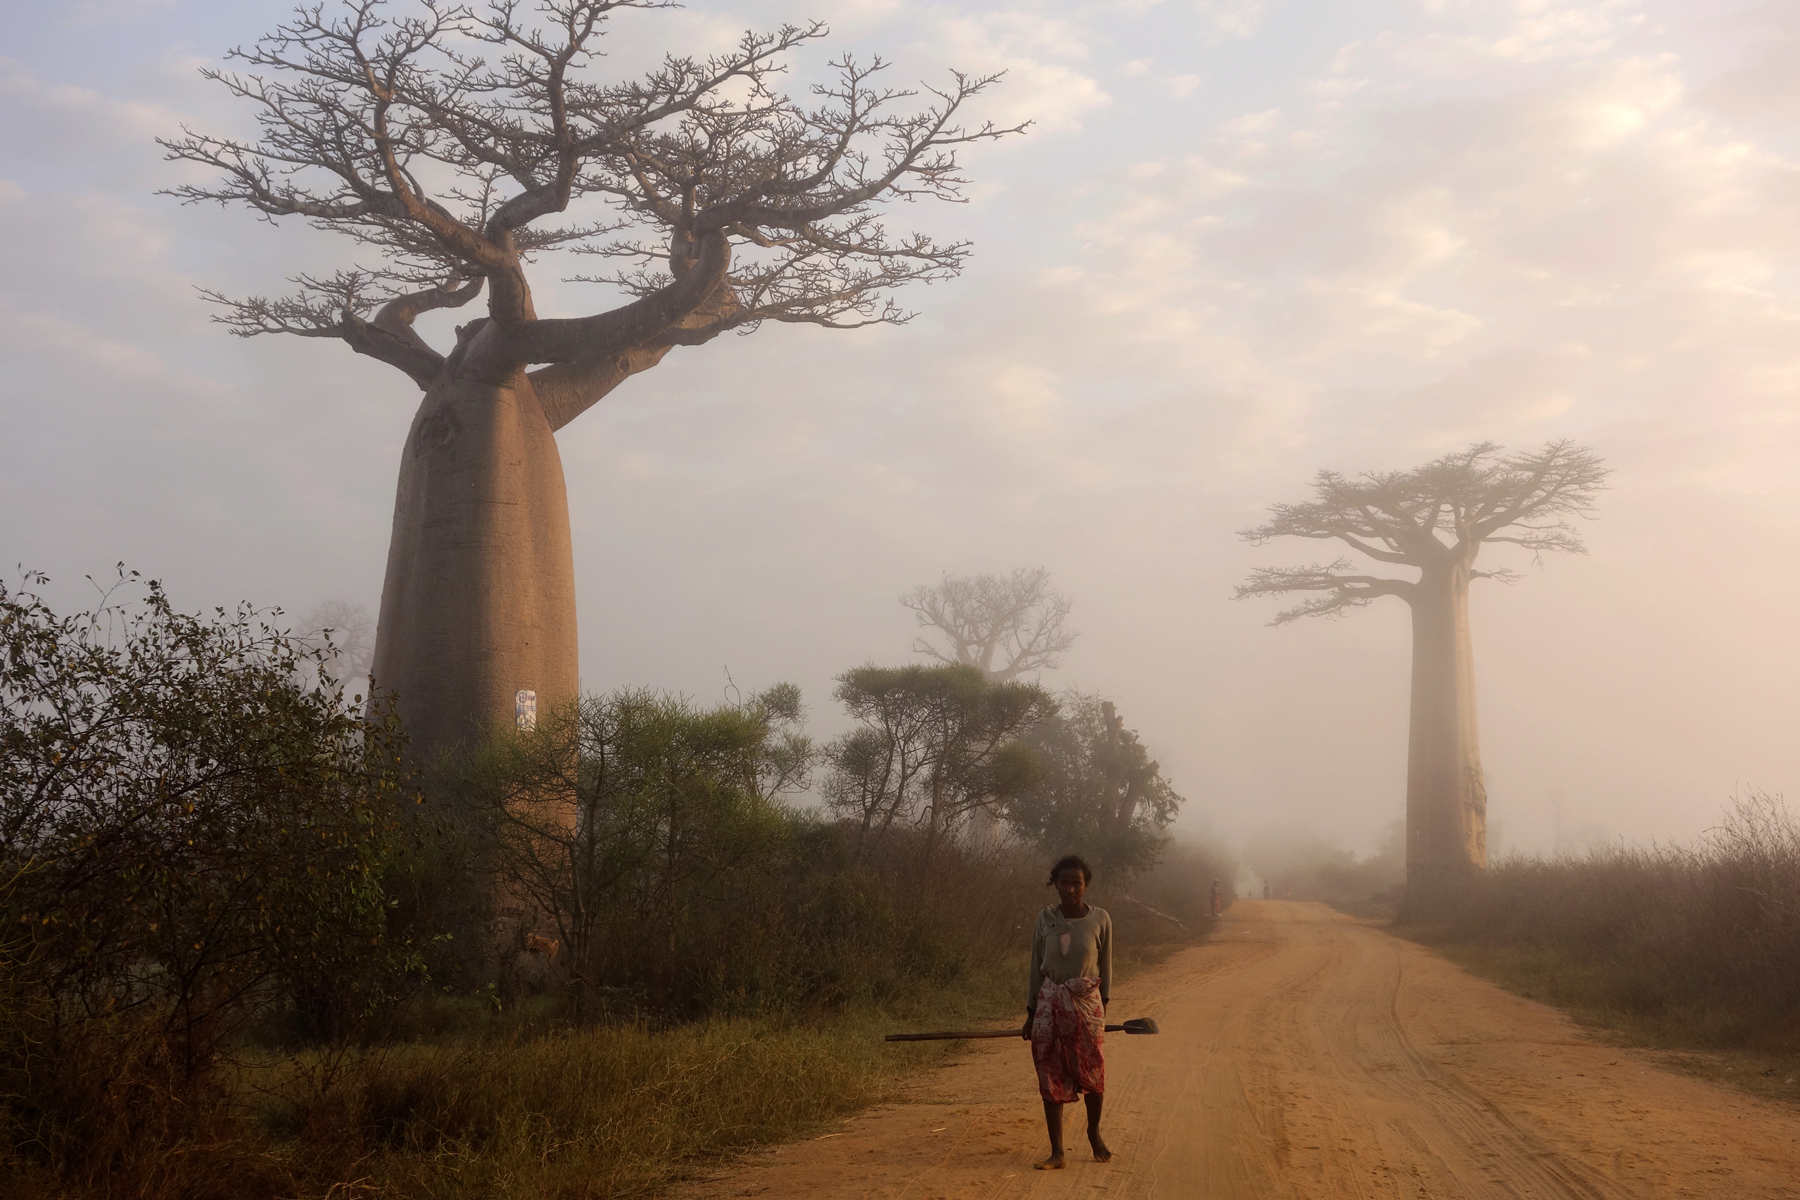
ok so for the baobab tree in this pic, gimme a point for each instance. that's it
(458, 145)
(1005, 626)
(1434, 519)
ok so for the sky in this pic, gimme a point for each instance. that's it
(1243, 240)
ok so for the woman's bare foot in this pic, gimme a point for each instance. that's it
(1101, 1152)
(1053, 1163)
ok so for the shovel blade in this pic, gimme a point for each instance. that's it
(1135, 1025)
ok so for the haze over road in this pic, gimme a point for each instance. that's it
(1306, 1054)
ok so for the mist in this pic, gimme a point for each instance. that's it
(1227, 256)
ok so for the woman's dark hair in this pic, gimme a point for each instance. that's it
(1072, 860)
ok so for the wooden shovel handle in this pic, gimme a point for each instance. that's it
(947, 1035)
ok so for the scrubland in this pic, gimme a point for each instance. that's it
(1692, 947)
(477, 1096)
(249, 948)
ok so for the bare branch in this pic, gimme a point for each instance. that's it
(1534, 494)
(1003, 625)
(568, 389)
(338, 306)
(398, 314)
(1342, 589)
(635, 324)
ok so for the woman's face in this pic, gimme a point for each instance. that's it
(1071, 885)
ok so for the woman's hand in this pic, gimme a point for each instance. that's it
(1025, 1030)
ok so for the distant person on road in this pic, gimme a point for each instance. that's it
(1065, 1005)
(1215, 900)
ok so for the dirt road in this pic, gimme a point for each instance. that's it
(1304, 1054)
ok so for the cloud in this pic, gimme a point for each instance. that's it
(88, 13)
(122, 362)
(116, 237)
(1517, 220)
(115, 119)
(1594, 250)
(1040, 54)
(1230, 19)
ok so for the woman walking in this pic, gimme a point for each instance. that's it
(1065, 1006)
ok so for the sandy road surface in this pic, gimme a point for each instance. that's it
(1304, 1054)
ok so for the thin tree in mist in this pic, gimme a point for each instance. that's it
(457, 144)
(344, 634)
(1005, 626)
(1434, 519)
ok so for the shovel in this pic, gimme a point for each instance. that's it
(1135, 1025)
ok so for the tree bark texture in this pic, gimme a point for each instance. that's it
(1446, 797)
(479, 598)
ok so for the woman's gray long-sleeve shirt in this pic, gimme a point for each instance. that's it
(1064, 948)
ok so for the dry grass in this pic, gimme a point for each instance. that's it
(1681, 948)
(560, 1114)
(577, 1114)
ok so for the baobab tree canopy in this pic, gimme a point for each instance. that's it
(1434, 519)
(458, 145)
(1429, 517)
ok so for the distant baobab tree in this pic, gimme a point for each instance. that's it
(1004, 625)
(1435, 519)
(457, 145)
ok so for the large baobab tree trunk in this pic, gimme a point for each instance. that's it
(1446, 799)
(479, 598)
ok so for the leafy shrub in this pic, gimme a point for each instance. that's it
(190, 839)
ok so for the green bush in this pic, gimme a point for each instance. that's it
(191, 839)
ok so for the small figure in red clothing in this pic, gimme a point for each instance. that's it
(1215, 899)
(1065, 1014)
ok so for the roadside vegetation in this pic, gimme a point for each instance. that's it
(1694, 948)
(245, 950)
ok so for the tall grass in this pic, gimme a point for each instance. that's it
(1696, 946)
(581, 1113)
(566, 1114)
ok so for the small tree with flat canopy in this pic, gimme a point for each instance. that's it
(1434, 519)
(459, 145)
